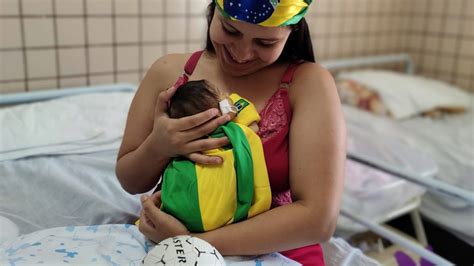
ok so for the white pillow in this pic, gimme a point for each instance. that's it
(407, 95)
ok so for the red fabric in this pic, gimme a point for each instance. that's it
(273, 130)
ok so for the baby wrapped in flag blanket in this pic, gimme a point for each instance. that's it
(205, 197)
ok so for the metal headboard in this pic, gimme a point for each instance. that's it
(342, 63)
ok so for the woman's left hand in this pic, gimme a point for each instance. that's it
(156, 224)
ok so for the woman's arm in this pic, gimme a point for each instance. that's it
(317, 155)
(151, 138)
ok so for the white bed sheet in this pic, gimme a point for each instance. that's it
(449, 142)
(51, 191)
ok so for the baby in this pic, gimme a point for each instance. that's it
(206, 197)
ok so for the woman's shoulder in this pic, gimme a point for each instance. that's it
(170, 63)
(164, 72)
(311, 76)
(312, 82)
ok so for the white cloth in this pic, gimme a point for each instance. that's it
(337, 252)
(50, 191)
(115, 244)
(76, 124)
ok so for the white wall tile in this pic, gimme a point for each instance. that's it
(11, 65)
(37, 7)
(132, 78)
(70, 31)
(172, 48)
(127, 58)
(196, 46)
(127, 30)
(72, 61)
(10, 33)
(197, 29)
(198, 7)
(9, 7)
(465, 66)
(41, 63)
(70, 7)
(46, 84)
(99, 7)
(175, 7)
(73, 82)
(152, 6)
(39, 32)
(101, 79)
(151, 53)
(152, 30)
(175, 29)
(100, 59)
(99, 30)
(12, 87)
(124, 7)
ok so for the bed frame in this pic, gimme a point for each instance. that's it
(426, 181)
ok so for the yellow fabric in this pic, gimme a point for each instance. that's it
(285, 11)
(217, 184)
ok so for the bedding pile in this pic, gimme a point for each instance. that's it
(71, 125)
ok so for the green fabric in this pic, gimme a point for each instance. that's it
(243, 165)
(179, 194)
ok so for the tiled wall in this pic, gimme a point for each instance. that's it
(63, 43)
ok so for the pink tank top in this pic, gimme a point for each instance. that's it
(274, 131)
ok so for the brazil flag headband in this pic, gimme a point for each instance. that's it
(268, 13)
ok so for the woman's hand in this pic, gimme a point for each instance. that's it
(155, 224)
(183, 136)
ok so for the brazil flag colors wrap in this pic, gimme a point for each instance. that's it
(206, 197)
(268, 13)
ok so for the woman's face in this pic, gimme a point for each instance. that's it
(243, 48)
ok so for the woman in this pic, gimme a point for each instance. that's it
(302, 129)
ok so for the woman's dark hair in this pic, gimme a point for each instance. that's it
(191, 98)
(298, 46)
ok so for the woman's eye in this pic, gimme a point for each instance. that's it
(229, 31)
(265, 44)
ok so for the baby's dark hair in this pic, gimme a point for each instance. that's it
(191, 98)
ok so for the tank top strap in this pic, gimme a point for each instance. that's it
(189, 68)
(288, 75)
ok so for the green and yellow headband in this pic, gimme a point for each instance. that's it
(268, 13)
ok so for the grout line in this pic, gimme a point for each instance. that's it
(86, 43)
(23, 44)
(114, 42)
(56, 44)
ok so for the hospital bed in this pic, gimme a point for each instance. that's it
(447, 141)
(57, 178)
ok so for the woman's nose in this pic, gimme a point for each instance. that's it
(243, 51)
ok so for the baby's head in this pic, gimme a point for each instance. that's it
(194, 97)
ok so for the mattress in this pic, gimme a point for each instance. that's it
(449, 142)
(51, 191)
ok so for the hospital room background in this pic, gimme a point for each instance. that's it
(70, 45)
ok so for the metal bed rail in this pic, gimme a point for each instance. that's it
(371, 61)
(26, 97)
